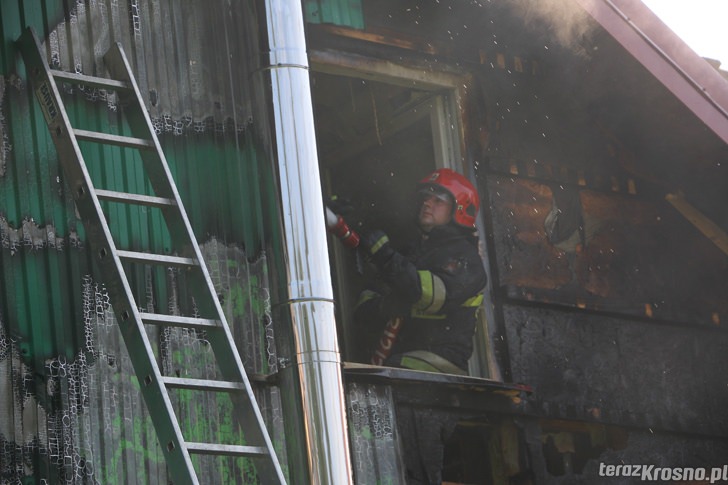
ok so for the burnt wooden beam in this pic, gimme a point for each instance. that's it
(392, 39)
(708, 228)
(550, 173)
(616, 308)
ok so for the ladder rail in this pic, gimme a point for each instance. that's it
(153, 384)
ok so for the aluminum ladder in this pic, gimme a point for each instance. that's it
(154, 385)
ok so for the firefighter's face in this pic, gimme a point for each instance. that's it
(435, 210)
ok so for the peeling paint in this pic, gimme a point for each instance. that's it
(22, 419)
(87, 423)
(371, 419)
(242, 287)
(31, 235)
(196, 100)
(5, 146)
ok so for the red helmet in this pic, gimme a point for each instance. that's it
(467, 201)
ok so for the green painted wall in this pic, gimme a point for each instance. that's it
(73, 413)
(348, 13)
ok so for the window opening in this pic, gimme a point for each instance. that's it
(377, 136)
(375, 142)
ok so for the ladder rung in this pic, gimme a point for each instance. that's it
(122, 141)
(177, 321)
(156, 258)
(147, 200)
(202, 384)
(232, 450)
(96, 82)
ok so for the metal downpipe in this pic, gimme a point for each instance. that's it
(307, 263)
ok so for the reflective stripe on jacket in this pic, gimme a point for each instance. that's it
(438, 290)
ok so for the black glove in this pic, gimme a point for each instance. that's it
(339, 205)
(377, 247)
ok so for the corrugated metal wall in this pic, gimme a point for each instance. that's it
(348, 13)
(70, 410)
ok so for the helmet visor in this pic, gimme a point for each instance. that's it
(433, 190)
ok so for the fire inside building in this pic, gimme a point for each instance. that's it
(173, 308)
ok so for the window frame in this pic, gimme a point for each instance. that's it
(449, 88)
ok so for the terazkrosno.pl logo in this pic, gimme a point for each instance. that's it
(652, 472)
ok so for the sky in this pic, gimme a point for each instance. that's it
(702, 24)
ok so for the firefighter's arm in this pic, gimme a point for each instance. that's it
(427, 291)
(373, 307)
(459, 282)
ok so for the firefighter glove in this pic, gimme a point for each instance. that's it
(377, 247)
(339, 205)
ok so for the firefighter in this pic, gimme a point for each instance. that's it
(433, 291)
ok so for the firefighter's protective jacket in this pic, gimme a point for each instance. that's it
(437, 289)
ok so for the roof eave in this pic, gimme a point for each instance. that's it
(688, 76)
